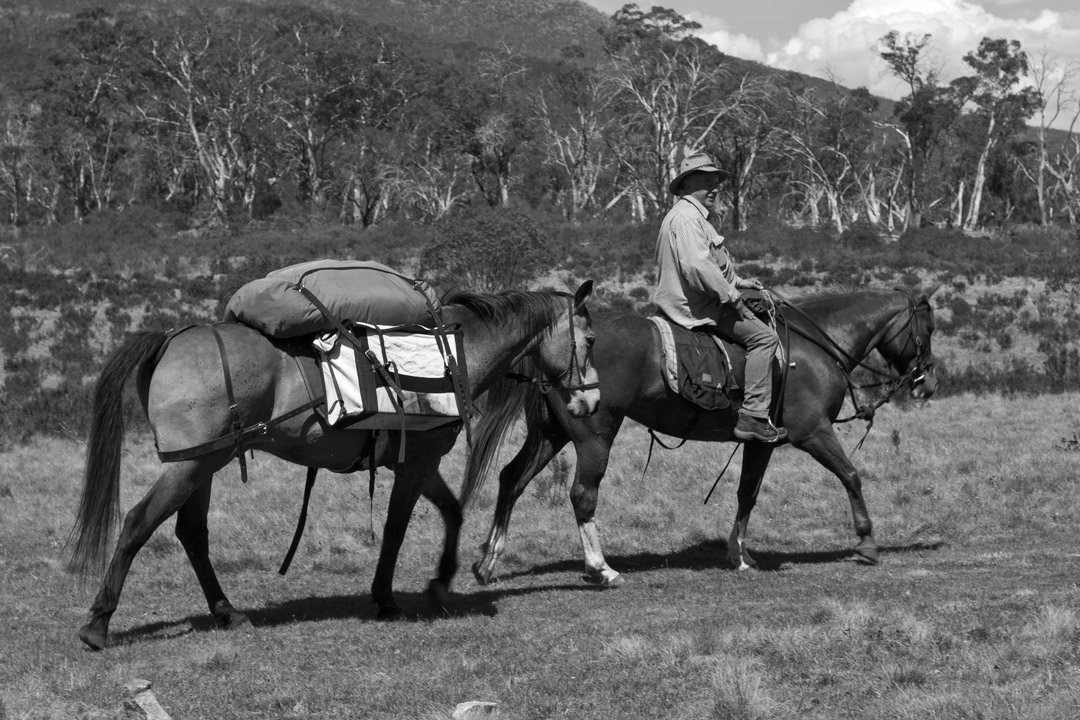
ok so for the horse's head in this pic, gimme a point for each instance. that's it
(567, 356)
(906, 344)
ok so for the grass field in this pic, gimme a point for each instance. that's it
(973, 613)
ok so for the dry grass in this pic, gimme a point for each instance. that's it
(972, 614)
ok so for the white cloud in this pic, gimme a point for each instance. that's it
(717, 32)
(841, 45)
(737, 44)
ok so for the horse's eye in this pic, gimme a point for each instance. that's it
(590, 340)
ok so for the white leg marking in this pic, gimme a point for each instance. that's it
(596, 567)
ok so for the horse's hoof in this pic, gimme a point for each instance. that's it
(867, 552)
(390, 612)
(483, 577)
(229, 618)
(604, 581)
(234, 621)
(743, 563)
(93, 637)
(438, 594)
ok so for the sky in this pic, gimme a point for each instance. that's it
(835, 38)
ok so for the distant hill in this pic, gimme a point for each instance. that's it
(539, 28)
(535, 28)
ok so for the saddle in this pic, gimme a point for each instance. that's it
(697, 366)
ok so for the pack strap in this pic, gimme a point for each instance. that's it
(239, 435)
(347, 336)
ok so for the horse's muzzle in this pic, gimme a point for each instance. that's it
(583, 403)
(924, 386)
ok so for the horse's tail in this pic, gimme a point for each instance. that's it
(502, 403)
(99, 506)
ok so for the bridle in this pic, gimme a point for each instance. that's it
(577, 376)
(924, 359)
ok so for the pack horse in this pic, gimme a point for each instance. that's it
(262, 398)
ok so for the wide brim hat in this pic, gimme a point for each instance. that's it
(697, 162)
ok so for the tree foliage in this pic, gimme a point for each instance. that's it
(230, 113)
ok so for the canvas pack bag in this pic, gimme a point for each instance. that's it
(388, 377)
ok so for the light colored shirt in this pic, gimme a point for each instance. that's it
(696, 276)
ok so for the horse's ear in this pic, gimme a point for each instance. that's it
(931, 290)
(582, 294)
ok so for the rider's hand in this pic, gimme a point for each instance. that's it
(744, 312)
(750, 284)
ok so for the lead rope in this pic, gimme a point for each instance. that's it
(300, 523)
(654, 440)
(717, 481)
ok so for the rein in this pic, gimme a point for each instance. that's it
(893, 383)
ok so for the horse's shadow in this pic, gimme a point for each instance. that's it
(468, 601)
(416, 607)
(712, 555)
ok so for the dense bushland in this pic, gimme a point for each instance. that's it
(1008, 314)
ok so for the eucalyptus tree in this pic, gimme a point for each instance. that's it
(1001, 107)
(666, 100)
(315, 98)
(744, 139)
(434, 175)
(1064, 166)
(386, 89)
(573, 113)
(209, 91)
(924, 117)
(830, 140)
(80, 116)
(493, 118)
(1058, 83)
(19, 161)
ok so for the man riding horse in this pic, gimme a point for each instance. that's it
(697, 287)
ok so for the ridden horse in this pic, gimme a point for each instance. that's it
(830, 335)
(186, 399)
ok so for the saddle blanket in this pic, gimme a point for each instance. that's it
(388, 378)
(696, 365)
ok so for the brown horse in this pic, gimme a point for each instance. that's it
(182, 389)
(829, 337)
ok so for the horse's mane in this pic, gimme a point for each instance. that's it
(530, 310)
(828, 291)
(503, 401)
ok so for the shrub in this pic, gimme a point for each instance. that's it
(861, 236)
(486, 250)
